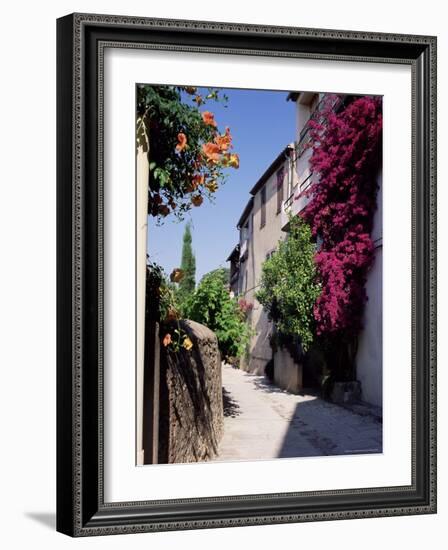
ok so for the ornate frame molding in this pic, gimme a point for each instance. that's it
(81, 42)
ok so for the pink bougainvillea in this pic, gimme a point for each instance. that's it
(345, 160)
(244, 305)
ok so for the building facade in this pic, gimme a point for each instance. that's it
(260, 228)
(369, 358)
(277, 195)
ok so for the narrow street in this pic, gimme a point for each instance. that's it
(261, 421)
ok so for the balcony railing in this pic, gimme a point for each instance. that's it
(319, 117)
(297, 200)
(288, 202)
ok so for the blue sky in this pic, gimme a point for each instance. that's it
(262, 123)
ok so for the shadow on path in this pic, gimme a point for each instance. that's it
(263, 421)
(231, 407)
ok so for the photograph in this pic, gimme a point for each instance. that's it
(236, 346)
(259, 276)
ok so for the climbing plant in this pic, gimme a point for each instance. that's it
(162, 306)
(187, 153)
(346, 155)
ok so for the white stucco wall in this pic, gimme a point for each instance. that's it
(369, 359)
(287, 374)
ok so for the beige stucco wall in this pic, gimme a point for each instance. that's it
(141, 237)
(260, 242)
(287, 373)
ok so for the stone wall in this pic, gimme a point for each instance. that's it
(191, 408)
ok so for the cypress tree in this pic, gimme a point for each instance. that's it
(188, 266)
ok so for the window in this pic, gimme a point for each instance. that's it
(280, 178)
(263, 207)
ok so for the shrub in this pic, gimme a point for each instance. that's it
(212, 306)
(288, 290)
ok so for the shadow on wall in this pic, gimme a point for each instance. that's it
(261, 352)
(191, 402)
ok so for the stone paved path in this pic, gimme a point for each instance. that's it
(262, 421)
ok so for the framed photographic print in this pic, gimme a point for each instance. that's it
(246, 274)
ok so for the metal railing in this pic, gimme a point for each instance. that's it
(319, 117)
(297, 190)
(288, 202)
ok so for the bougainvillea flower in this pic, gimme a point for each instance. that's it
(166, 339)
(346, 151)
(244, 305)
(182, 142)
(187, 343)
(197, 200)
(211, 151)
(208, 118)
(212, 186)
(177, 275)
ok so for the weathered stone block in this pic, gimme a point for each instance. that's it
(191, 408)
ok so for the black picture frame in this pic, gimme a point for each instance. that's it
(81, 510)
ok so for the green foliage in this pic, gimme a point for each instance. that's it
(161, 299)
(288, 290)
(212, 306)
(188, 267)
(225, 271)
(173, 131)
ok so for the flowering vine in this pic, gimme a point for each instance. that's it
(187, 153)
(346, 154)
